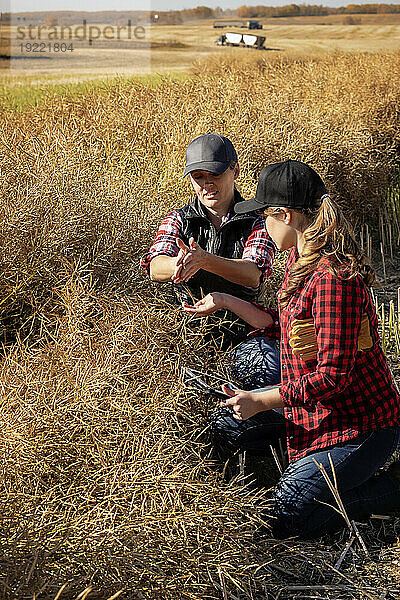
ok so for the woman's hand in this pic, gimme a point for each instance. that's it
(207, 305)
(243, 404)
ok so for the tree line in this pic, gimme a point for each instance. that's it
(305, 10)
(290, 10)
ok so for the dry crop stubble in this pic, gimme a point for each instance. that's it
(105, 475)
(105, 478)
(340, 113)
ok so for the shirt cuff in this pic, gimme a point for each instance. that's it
(285, 396)
(289, 396)
(273, 332)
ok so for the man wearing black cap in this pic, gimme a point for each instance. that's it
(204, 246)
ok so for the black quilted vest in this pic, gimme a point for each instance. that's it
(228, 241)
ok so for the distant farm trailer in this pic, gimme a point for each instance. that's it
(253, 40)
(222, 24)
(244, 40)
(243, 24)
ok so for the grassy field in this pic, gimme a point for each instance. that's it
(170, 51)
(173, 48)
(107, 479)
(19, 92)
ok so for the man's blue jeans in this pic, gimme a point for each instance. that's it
(297, 508)
(256, 363)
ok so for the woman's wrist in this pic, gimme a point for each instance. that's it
(271, 320)
(221, 300)
(269, 399)
(258, 402)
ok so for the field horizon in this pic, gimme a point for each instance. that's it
(173, 48)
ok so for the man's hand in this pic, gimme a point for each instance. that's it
(243, 404)
(183, 250)
(207, 305)
(192, 259)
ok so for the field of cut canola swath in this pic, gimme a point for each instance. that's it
(107, 480)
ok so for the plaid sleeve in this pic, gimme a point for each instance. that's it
(273, 332)
(165, 240)
(337, 307)
(260, 249)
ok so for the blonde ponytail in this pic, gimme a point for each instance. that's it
(328, 234)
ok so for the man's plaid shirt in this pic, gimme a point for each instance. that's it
(258, 249)
(344, 391)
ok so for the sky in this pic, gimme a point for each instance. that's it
(97, 5)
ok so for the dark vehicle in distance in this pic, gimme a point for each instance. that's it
(254, 25)
(244, 40)
(233, 23)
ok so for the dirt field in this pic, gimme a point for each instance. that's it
(174, 48)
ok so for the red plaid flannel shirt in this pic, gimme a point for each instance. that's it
(344, 391)
(259, 248)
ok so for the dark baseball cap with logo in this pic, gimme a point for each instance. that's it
(291, 184)
(210, 152)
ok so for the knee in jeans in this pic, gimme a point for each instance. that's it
(256, 363)
(223, 427)
(292, 501)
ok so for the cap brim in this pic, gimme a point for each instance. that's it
(211, 167)
(248, 206)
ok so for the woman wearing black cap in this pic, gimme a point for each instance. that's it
(337, 403)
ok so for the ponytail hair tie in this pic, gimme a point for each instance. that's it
(324, 196)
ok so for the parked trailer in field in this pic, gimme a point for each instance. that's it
(243, 24)
(222, 24)
(244, 40)
(254, 41)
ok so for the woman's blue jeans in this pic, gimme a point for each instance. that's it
(297, 508)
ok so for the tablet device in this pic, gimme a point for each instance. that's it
(194, 379)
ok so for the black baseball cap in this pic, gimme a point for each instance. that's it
(210, 152)
(291, 183)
